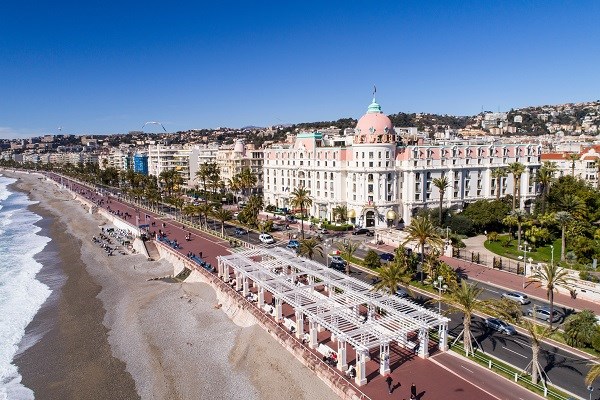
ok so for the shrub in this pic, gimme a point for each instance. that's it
(372, 259)
(344, 227)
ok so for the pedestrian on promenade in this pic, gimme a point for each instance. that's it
(413, 391)
(389, 381)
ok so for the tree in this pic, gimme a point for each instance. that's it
(301, 199)
(340, 213)
(252, 209)
(441, 184)
(391, 276)
(372, 259)
(464, 299)
(222, 215)
(487, 215)
(171, 179)
(537, 333)
(207, 173)
(581, 328)
(347, 250)
(516, 169)
(422, 231)
(516, 218)
(190, 211)
(563, 219)
(573, 157)
(551, 276)
(498, 174)
(310, 247)
(545, 177)
(204, 210)
(593, 374)
(572, 204)
(247, 180)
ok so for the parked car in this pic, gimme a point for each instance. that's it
(293, 244)
(266, 238)
(363, 231)
(500, 326)
(543, 313)
(516, 296)
(386, 257)
(240, 231)
(338, 259)
(323, 231)
(402, 293)
(290, 219)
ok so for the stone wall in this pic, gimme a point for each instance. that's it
(244, 313)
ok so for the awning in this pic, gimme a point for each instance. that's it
(351, 214)
(391, 214)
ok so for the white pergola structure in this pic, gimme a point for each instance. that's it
(277, 270)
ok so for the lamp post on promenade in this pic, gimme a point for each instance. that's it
(440, 279)
(552, 255)
(525, 249)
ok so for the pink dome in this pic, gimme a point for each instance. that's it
(374, 127)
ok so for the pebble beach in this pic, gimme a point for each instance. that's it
(112, 332)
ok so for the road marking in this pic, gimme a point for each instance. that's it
(493, 291)
(466, 368)
(512, 351)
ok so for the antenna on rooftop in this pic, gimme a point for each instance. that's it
(374, 91)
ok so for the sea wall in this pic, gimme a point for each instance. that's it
(244, 313)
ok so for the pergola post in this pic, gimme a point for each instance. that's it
(311, 282)
(384, 358)
(341, 355)
(238, 282)
(443, 335)
(334, 322)
(312, 331)
(220, 268)
(278, 309)
(261, 297)
(423, 342)
(225, 273)
(299, 324)
(370, 311)
(361, 371)
(245, 290)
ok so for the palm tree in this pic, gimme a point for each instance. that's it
(391, 275)
(171, 180)
(190, 211)
(247, 180)
(516, 217)
(340, 213)
(545, 177)
(442, 184)
(422, 230)
(222, 215)
(563, 219)
(206, 173)
(573, 157)
(537, 333)
(347, 250)
(498, 174)
(301, 199)
(551, 277)
(310, 247)
(464, 299)
(204, 210)
(572, 204)
(253, 208)
(593, 374)
(516, 169)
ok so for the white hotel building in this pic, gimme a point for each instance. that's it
(384, 182)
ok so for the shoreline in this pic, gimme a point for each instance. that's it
(170, 337)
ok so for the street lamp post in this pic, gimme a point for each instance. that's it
(525, 249)
(552, 255)
(440, 280)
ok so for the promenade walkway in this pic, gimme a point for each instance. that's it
(435, 378)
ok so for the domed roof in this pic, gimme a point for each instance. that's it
(239, 146)
(374, 126)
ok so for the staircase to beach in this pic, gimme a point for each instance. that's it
(152, 250)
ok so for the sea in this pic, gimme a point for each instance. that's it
(22, 294)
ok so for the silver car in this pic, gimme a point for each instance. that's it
(500, 326)
(543, 313)
(516, 296)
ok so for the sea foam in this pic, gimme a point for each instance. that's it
(21, 294)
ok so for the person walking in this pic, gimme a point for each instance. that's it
(413, 391)
(389, 381)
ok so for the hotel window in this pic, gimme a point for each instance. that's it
(370, 155)
(370, 164)
(387, 154)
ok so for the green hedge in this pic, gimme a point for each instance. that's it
(345, 227)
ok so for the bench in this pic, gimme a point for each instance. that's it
(324, 349)
(289, 324)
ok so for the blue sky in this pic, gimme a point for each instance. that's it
(97, 67)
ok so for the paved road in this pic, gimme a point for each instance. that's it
(563, 368)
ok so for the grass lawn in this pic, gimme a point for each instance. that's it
(540, 254)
